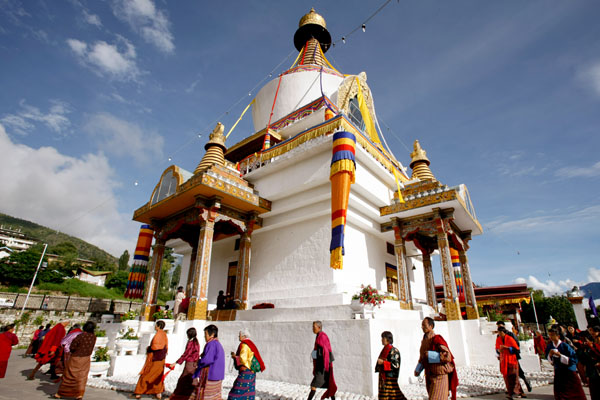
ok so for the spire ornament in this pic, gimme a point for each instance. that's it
(215, 149)
(312, 25)
(420, 164)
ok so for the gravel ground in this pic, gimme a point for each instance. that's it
(474, 381)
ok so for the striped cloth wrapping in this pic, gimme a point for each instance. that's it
(139, 269)
(342, 175)
(460, 290)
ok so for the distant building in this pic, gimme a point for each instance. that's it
(97, 278)
(5, 252)
(55, 258)
(15, 239)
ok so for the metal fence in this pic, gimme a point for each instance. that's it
(67, 303)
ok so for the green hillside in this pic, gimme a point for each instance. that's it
(50, 236)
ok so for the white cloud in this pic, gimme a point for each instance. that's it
(591, 76)
(55, 119)
(117, 62)
(73, 195)
(149, 22)
(593, 275)
(584, 172)
(560, 220)
(551, 287)
(91, 19)
(125, 139)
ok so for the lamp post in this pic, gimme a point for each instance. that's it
(534, 311)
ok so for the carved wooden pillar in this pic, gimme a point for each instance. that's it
(243, 268)
(152, 280)
(470, 300)
(429, 281)
(403, 289)
(190, 278)
(451, 305)
(198, 296)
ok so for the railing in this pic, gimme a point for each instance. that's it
(66, 303)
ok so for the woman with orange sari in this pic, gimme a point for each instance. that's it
(77, 364)
(151, 375)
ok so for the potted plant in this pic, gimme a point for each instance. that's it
(163, 314)
(100, 364)
(101, 339)
(128, 343)
(130, 319)
(367, 298)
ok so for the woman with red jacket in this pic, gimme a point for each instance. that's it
(507, 347)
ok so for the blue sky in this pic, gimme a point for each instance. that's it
(504, 96)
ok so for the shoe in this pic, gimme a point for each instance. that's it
(528, 386)
(523, 396)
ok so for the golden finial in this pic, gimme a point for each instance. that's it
(215, 149)
(312, 18)
(420, 163)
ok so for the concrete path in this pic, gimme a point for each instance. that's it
(15, 386)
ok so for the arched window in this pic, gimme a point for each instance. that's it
(167, 186)
(355, 114)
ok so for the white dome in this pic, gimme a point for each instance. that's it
(296, 89)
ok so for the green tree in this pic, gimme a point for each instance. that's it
(19, 268)
(64, 249)
(557, 307)
(118, 280)
(124, 261)
(175, 277)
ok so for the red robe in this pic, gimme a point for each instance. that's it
(507, 359)
(438, 340)
(7, 341)
(323, 341)
(50, 344)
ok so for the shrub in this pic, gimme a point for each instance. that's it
(129, 315)
(130, 335)
(163, 314)
(369, 296)
(100, 333)
(101, 354)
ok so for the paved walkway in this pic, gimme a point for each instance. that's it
(15, 386)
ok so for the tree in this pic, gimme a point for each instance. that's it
(19, 268)
(64, 249)
(557, 307)
(124, 261)
(175, 277)
(118, 280)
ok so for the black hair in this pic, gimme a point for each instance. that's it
(502, 329)
(388, 336)
(41, 327)
(212, 330)
(180, 289)
(220, 292)
(554, 330)
(160, 324)
(8, 327)
(89, 327)
(191, 333)
(48, 326)
(596, 328)
(500, 323)
(430, 321)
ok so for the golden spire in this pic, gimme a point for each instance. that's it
(215, 150)
(312, 25)
(419, 164)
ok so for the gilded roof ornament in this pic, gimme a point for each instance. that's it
(420, 164)
(418, 154)
(312, 18)
(216, 137)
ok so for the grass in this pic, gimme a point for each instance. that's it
(75, 287)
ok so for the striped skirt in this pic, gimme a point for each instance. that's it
(210, 391)
(389, 389)
(438, 386)
(244, 387)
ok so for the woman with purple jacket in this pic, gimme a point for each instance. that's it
(211, 367)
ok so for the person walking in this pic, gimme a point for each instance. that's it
(516, 339)
(507, 349)
(436, 359)
(185, 388)
(8, 339)
(248, 362)
(178, 299)
(151, 375)
(322, 357)
(65, 350)
(567, 384)
(210, 372)
(388, 367)
(590, 358)
(34, 344)
(539, 344)
(49, 350)
(77, 363)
